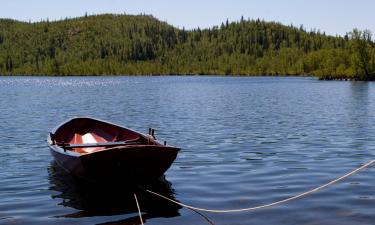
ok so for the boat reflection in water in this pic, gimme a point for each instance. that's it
(111, 199)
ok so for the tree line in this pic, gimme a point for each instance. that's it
(141, 45)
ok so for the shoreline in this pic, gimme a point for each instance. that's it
(187, 75)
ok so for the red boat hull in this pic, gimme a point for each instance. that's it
(141, 161)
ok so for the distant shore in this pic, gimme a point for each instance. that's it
(181, 75)
(112, 44)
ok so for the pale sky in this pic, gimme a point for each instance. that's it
(331, 16)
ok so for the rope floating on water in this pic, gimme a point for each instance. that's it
(139, 209)
(266, 205)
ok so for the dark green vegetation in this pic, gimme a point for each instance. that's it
(125, 44)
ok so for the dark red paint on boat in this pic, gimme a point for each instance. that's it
(99, 151)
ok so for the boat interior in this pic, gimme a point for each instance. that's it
(85, 135)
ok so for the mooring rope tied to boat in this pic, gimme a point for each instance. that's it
(266, 205)
(139, 209)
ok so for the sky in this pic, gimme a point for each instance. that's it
(330, 16)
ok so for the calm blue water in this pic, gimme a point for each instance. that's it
(245, 142)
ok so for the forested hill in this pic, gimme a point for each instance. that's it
(129, 45)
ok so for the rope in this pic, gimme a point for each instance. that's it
(139, 209)
(266, 205)
(202, 215)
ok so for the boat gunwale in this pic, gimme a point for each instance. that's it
(94, 119)
(61, 150)
(73, 153)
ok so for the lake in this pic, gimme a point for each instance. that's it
(245, 142)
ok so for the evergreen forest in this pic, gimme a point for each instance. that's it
(112, 44)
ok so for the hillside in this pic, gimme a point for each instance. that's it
(131, 45)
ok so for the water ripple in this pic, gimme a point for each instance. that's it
(245, 142)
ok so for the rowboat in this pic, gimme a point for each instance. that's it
(97, 150)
